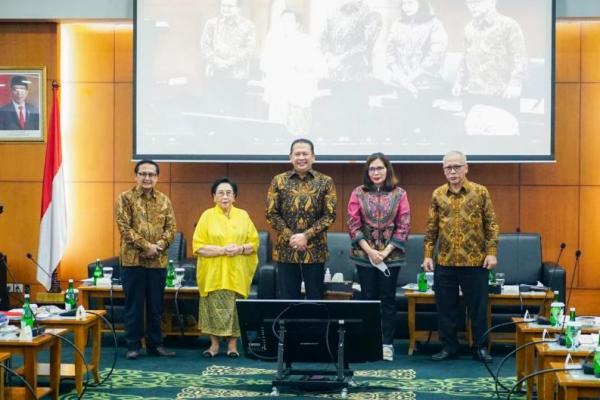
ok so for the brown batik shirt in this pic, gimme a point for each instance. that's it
(463, 225)
(301, 205)
(144, 219)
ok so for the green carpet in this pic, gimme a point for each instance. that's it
(189, 376)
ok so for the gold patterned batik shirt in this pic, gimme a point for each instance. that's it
(301, 205)
(144, 219)
(463, 225)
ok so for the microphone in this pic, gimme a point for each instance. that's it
(40, 268)
(577, 255)
(541, 320)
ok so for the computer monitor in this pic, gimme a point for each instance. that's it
(311, 329)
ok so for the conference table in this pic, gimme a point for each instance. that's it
(575, 384)
(90, 326)
(527, 332)
(508, 297)
(29, 349)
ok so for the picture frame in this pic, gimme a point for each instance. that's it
(23, 104)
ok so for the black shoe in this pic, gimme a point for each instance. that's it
(483, 356)
(161, 352)
(132, 355)
(444, 355)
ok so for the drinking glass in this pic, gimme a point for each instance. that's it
(179, 275)
(429, 277)
(107, 271)
(500, 277)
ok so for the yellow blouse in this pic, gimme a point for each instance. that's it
(225, 272)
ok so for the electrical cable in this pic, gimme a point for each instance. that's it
(178, 313)
(536, 373)
(27, 385)
(115, 354)
(80, 353)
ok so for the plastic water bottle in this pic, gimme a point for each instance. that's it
(572, 330)
(98, 272)
(556, 310)
(70, 298)
(27, 318)
(596, 363)
(170, 280)
(327, 276)
(422, 280)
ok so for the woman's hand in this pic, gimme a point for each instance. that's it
(376, 256)
(233, 250)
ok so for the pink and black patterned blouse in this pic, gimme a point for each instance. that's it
(380, 218)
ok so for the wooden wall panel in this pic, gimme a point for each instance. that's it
(93, 47)
(568, 52)
(19, 226)
(419, 197)
(123, 133)
(590, 51)
(553, 211)
(88, 131)
(590, 137)
(184, 172)
(123, 53)
(189, 201)
(23, 162)
(506, 206)
(588, 234)
(89, 237)
(566, 169)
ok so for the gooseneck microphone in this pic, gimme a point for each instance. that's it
(541, 320)
(575, 267)
(39, 267)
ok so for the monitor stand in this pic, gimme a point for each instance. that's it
(314, 380)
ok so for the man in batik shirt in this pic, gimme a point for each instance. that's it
(146, 221)
(301, 207)
(227, 45)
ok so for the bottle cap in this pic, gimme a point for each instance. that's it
(71, 280)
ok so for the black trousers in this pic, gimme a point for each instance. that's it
(374, 285)
(144, 290)
(474, 284)
(290, 276)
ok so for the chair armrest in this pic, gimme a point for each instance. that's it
(554, 277)
(266, 281)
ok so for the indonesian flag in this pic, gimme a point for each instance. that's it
(53, 227)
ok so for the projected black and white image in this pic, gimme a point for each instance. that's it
(240, 79)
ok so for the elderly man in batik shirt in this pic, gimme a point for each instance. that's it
(146, 221)
(227, 45)
(462, 224)
(301, 207)
(495, 59)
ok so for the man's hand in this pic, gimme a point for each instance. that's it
(428, 264)
(298, 241)
(490, 262)
(152, 251)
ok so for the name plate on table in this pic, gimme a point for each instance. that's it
(50, 298)
(345, 287)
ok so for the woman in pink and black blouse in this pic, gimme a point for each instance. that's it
(379, 221)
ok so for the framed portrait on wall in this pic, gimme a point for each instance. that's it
(22, 103)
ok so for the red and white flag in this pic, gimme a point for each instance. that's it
(53, 227)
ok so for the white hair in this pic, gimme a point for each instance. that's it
(454, 153)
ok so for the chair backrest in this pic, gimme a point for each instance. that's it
(339, 245)
(414, 259)
(520, 257)
(264, 248)
(177, 249)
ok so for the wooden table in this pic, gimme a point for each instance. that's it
(3, 358)
(29, 349)
(90, 325)
(548, 353)
(574, 385)
(102, 294)
(526, 333)
(415, 297)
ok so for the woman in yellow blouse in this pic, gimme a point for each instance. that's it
(225, 242)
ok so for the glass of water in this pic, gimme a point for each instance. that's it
(179, 275)
(500, 277)
(108, 272)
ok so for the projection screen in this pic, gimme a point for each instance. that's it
(238, 81)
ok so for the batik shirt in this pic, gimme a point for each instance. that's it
(463, 225)
(144, 219)
(348, 39)
(227, 45)
(301, 205)
(495, 56)
(380, 218)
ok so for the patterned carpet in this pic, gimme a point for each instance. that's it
(189, 376)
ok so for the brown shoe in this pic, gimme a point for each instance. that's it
(132, 355)
(161, 352)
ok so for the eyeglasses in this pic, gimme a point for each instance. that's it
(376, 169)
(147, 174)
(453, 168)
(227, 193)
